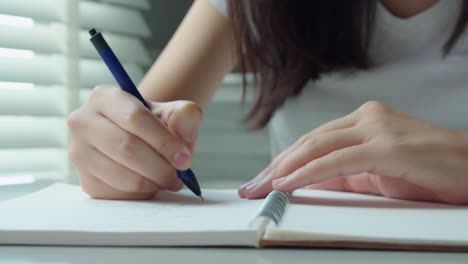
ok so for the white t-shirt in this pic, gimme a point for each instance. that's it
(410, 75)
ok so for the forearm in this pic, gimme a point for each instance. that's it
(196, 59)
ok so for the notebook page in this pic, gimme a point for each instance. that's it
(315, 215)
(64, 214)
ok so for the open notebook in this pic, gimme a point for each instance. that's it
(63, 215)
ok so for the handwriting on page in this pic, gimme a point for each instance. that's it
(64, 207)
(169, 211)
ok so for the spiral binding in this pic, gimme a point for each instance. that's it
(274, 206)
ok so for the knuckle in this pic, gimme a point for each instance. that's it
(192, 107)
(136, 115)
(310, 142)
(374, 107)
(187, 111)
(128, 147)
(303, 139)
(101, 90)
(75, 119)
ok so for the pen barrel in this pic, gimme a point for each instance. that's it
(123, 79)
(115, 67)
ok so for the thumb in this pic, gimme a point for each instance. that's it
(184, 118)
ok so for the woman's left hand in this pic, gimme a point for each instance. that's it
(376, 150)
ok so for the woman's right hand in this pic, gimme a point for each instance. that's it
(122, 150)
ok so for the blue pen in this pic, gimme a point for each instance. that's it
(122, 78)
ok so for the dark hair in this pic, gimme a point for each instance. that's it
(286, 43)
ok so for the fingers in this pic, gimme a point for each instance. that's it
(130, 115)
(311, 148)
(130, 151)
(343, 162)
(338, 124)
(316, 147)
(97, 189)
(123, 151)
(259, 188)
(112, 173)
(182, 117)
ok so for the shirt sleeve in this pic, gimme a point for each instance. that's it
(221, 5)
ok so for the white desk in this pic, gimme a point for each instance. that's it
(116, 255)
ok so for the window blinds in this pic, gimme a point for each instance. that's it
(48, 67)
(43, 77)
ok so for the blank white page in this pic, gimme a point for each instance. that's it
(316, 215)
(63, 214)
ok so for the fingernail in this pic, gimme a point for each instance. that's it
(180, 158)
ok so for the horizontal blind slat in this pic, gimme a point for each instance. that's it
(22, 177)
(84, 95)
(104, 16)
(41, 38)
(140, 4)
(32, 132)
(30, 160)
(49, 70)
(94, 72)
(44, 70)
(48, 10)
(34, 101)
(113, 18)
(50, 39)
(127, 49)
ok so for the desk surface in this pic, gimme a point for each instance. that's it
(117, 255)
(62, 255)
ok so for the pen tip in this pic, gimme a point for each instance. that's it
(201, 197)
